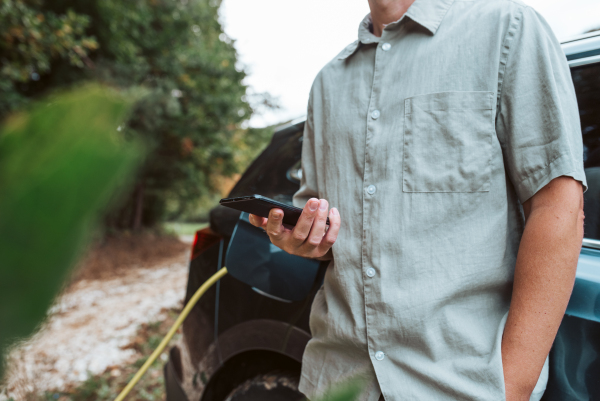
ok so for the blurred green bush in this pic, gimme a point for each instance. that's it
(61, 163)
(174, 54)
(347, 391)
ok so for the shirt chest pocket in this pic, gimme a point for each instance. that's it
(448, 142)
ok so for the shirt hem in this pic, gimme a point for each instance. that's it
(307, 387)
(561, 166)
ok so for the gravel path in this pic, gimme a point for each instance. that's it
(89, 328)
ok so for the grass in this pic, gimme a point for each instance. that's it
(178, 228)
(106, 386)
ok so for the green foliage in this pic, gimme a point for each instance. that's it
(30, 39)
(175, 50)
(349, 391)
(60, 165)
(95, 387)
(195, 105)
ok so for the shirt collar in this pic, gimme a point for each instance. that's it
(427, 13)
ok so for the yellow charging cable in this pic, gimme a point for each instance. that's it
(186, 311)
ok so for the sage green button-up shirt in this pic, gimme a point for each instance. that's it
(427, 140)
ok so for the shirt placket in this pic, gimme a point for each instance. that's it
(370, 273)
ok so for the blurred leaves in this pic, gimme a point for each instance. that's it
(61, 164)
(348, 391)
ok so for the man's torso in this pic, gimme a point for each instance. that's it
(406, 148)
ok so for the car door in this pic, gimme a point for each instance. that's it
(575, 356)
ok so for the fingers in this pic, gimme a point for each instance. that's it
(275, 228)
(310, 237)
(304, 224)
(332, 233)
(257, 221)
(318, 227)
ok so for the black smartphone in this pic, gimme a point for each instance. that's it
(261, 206)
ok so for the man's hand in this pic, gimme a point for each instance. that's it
(309, 238)
(544, 277)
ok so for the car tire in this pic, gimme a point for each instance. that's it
(274, 386)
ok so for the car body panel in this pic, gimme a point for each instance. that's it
(267, 269)
(585, 300)
(584, 50)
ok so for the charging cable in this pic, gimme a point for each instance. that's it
(165, 341)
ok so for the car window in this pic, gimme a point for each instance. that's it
(587, 87)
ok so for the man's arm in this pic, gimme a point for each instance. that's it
(544, 277)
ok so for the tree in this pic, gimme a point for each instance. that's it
(31, 38)
(175, 56)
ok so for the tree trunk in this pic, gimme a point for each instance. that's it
(139, 207)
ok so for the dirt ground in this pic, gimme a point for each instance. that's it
(93, 328)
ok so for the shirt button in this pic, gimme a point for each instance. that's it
(371, 189)
(375, 114)
(379, 355)
(370, 272)
(385, 47)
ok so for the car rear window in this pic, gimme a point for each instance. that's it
(587, 87)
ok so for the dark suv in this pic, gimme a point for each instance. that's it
(245, 338)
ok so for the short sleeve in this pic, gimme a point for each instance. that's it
(308, 183)
(538, 119)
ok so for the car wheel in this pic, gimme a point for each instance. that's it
(273, 386)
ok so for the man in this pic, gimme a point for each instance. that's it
(448, 138)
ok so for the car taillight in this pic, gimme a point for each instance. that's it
(203, 240)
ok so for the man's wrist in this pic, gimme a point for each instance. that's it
(520, 377)
(516, 393)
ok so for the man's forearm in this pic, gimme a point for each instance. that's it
(544, 277)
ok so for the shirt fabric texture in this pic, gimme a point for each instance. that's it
(427, 140)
